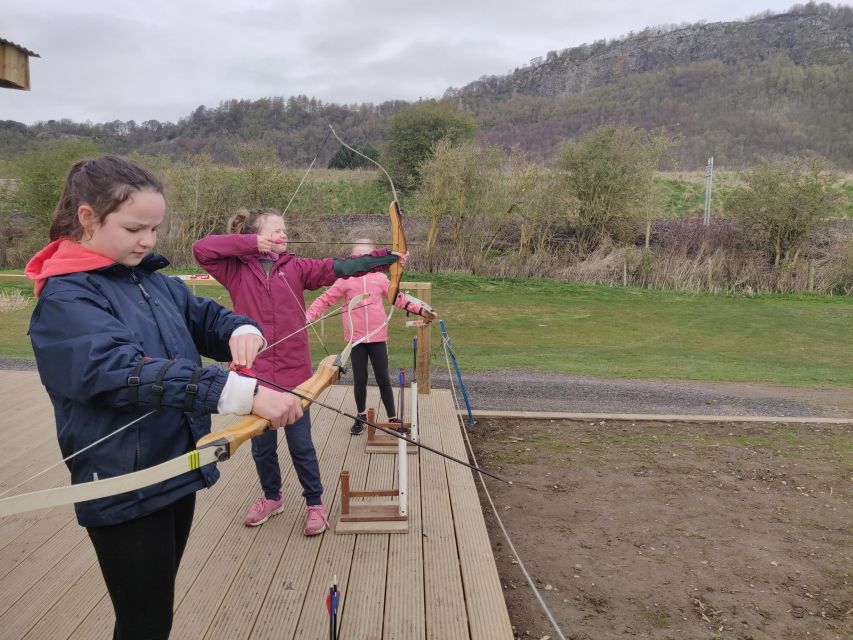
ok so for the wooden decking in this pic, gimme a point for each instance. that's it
(437, 581)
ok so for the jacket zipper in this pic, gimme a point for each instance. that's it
(139, 284)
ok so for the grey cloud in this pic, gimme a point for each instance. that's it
(159, 59)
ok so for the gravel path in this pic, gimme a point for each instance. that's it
(538, 391)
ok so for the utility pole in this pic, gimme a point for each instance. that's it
(709, 180)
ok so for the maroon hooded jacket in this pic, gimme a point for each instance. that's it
(276, 301)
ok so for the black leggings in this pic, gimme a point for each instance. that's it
(378, 354)
(139, 561)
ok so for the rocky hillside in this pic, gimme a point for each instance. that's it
(775, 85)
(822, 37)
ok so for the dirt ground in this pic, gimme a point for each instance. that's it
(674, 531)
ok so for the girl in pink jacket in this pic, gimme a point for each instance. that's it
(369, 329)
(267, 284)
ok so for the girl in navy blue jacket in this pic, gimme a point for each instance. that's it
(114, 339)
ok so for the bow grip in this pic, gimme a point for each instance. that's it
(229, 440)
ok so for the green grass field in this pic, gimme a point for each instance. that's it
(546, 325)
(682, 194)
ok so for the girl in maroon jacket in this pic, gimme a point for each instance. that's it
(267, 284)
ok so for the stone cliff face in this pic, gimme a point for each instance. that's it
(805, 39)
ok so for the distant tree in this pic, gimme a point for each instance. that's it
(41, 175)
(414, 131)
(609, 173)
(347, 159)
(784, 203)
(455, 182)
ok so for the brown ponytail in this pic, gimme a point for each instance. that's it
(249, 221)
(104, 184)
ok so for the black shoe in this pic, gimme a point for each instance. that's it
(357, 427)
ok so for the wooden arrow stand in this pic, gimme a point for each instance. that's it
(378, 442)
(384, 517)
(378, 517)
(374, 517)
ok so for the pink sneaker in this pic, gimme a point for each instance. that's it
(315, 520)
(262, 510)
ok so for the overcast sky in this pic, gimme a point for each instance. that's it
(160, 59)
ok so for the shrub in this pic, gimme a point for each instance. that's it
(783, 204)
(609, 173)
(414, 131)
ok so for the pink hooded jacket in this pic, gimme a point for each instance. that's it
(366, 319)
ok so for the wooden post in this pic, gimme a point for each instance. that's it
(422, 290)
(345, 493)
(413, 411)
(402, 478)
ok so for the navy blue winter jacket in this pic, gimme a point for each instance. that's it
(89, 331)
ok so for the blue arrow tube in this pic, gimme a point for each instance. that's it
(471, 421)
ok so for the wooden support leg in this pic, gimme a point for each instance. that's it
(378, 442)
(370, 517)
(345, 493)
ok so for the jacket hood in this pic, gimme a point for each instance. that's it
(61, 257)
(65, 256)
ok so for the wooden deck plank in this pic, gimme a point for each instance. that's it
(220, 566)
(28, 457)
(363, 613)
(304, 570)
(98, 623)
(487, 615)
(247, 592)
(37, 567)
(404, 594)
(29, 437)
(62, 619)
(24, 415)
(20, 536)
(18, 619)
(437, 581)
(20, 389)
(445, 611)
(21, 436)
(337, 551)
(45, 529)
(11, 528)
